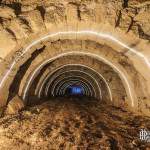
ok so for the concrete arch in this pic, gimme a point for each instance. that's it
(85, 80)
(64, 72)
(48, 85)
(100, 75)
(58, 34)
(89, 76)
(61, 67)
(121, 74)
(130, 89)
(100, 35)
(62, 93)
(68, 72)
(84, 84)
(59, 83)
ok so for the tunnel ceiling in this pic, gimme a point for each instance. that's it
(49, 48)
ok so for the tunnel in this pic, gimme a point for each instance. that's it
(74, 74)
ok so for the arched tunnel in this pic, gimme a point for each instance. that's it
(74, 74)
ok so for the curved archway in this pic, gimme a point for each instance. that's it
(49, 83)
(122, 76)
(122, 71)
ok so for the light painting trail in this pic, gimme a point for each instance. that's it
(98, 34)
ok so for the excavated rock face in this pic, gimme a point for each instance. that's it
(101, 46)
(14, 106)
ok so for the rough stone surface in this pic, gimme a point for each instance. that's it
(14, 106)
(73, 124)
(22, 22)
(127, 15)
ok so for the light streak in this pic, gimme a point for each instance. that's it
(84, 85)
(89, 32)
(72, 79)
(82, 53)
(67, 72)
(88, 75)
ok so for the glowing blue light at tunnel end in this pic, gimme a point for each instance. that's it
(75, 90)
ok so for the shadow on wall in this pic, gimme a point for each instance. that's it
(14, 88)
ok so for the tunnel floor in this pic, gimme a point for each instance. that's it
(73, 124)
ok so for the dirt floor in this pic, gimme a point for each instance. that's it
(73, 124)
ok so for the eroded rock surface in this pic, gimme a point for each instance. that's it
(132, 15)
(14, 106)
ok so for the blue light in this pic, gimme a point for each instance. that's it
(75, 90)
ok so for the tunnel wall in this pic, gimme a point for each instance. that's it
(110, 31)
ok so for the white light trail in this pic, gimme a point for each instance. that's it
(83, 53)
(84, 85)
(67, 72)
(72, 79)
(39, 95)
(88, 32)
(88, 75)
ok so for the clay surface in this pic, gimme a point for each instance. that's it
(73, 124)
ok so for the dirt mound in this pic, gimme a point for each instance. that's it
(72, 124)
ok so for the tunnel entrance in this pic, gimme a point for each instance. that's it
(74, 74)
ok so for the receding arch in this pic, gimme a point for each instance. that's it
(63, 33)
(68, 72)
(121, 74)
(133, 95)
(76, 65)
(63, 73)
(84, 84)
(109, 90)
(85, 81)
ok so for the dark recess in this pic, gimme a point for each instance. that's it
(125, 3)
(118, 19)
(42, 11)
(143, 35)
(11, 32)
(1, 20)
(14, 88)
(16, 6)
